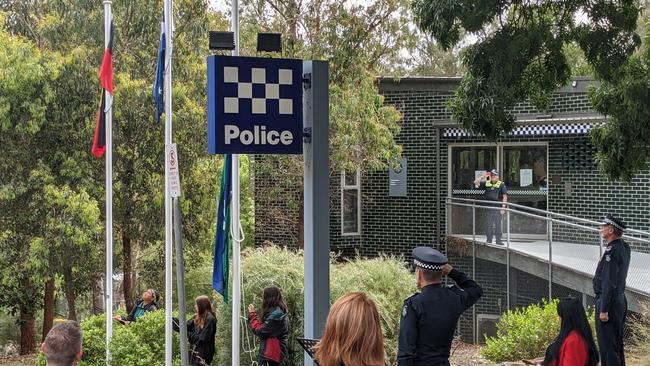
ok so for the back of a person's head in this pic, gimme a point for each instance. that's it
(271, 299)
(62, 345)
(353, 335)
(573, 316)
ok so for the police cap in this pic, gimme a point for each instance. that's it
(428, 258)
(613, 221)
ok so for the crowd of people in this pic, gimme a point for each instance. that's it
(353, 334)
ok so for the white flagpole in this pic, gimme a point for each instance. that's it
(109, 193)
(168, 203)
(236, 297)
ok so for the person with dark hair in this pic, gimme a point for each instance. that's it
(574, 346)
(146, 304)
(201, 332)
(609, 287)
(429, 318)
(62, 345)
(272, 327)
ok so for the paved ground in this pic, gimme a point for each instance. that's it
(581, 258)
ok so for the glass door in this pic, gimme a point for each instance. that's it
(524, 170)
(466, 163)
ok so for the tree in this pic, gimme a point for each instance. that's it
(520, 53)
(358, 41)
(23, 105)
(69, 247)
(138, 141)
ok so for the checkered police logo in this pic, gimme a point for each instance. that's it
(254, 105)
(269, 91)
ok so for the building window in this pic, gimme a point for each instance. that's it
(350, 203)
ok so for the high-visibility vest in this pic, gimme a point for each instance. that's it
(496, 185)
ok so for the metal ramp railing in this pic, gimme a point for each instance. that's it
(564, 241)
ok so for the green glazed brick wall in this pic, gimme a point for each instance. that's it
(395, 225)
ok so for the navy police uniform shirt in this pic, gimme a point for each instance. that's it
(494, 191)
(609, 281)
(429, 318)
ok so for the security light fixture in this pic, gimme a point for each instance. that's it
(269, 42)
(221, 40)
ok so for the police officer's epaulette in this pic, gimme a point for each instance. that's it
(410, 297)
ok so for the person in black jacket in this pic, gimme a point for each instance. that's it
(201, 330)
(429, 318)
(609, 286)
(272, 327)
(147, 304)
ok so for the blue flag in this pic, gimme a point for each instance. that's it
(160, 73)
(222, 236)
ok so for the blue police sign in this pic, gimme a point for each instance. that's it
(254, 105)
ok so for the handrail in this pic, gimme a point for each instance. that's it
(508, 204)
(549, 217)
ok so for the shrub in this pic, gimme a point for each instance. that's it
(386, 280)
(138, 344)
(523, 333)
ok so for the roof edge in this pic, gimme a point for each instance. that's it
(448, 84)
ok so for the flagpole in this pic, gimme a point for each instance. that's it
(168, 206)
(236, 291)
(109, 193)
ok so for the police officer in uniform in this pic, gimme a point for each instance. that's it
(609, 287)
(495, 190)
(429, 318)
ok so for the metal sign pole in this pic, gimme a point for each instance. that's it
(109, 195)
(180, 278)
(169, 262)
(316, 199)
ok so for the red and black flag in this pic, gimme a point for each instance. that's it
(106, 82)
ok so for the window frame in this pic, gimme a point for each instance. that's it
(346, 187)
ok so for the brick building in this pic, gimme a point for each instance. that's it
(547, 162)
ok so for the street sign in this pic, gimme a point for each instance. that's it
(254, 105)
(174, 175)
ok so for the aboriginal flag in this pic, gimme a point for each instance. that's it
(106, 82)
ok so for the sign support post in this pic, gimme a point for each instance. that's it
(316, 198)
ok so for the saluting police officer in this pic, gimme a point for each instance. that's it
(609, 287)
(495, 190)
(429, 318)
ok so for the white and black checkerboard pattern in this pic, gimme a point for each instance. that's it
(530, 130)
(515, 192)
(245, 90)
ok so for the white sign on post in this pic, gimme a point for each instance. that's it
(174, 175)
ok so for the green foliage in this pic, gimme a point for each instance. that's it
(623, 141)
(521, 52)
(523, 333)
(139, 344)
(386, 280)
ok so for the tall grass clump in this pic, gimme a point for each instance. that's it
(639, 349)
(386, 280)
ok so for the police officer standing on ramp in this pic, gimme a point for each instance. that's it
(495, 190)
(429, 318)
(609, 287)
